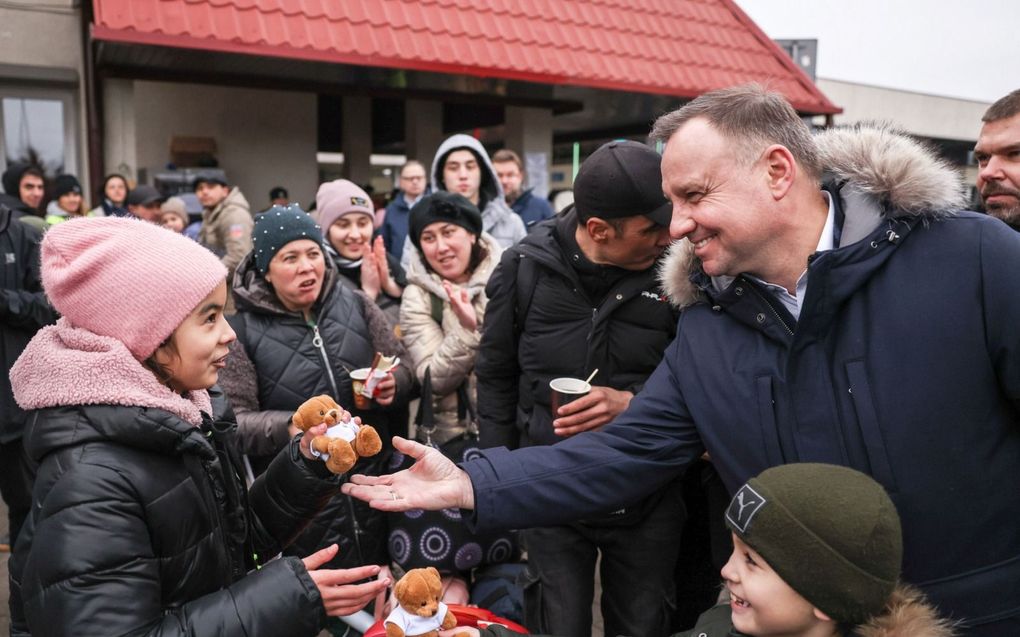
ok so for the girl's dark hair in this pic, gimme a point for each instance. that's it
(161, 372)
(478, 254)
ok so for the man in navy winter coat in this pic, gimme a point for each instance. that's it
(413, 184)
(838, 308)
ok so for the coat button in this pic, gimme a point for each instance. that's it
(760, 318)
(619, 297)
(739, 291)
(716, 308)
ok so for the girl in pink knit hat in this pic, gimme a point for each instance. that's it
(140, 523)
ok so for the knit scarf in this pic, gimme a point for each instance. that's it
(64, 365)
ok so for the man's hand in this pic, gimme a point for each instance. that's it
(433, 483)
(340, 595)
(597, 408)
(462, 307)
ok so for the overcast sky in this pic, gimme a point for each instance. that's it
(956, 48)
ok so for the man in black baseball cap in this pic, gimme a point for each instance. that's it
(143, 202)
(579, 295)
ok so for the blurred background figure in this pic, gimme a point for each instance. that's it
(174, 214)
(279, 196)
(67, 201)
(510, 172)
(412, 188)
(23, 310)
(24, 186)
(144, 202)
(112, 198)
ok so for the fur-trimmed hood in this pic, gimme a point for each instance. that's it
(887, 175)
(908, 614)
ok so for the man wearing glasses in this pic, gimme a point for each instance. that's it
(412, 188)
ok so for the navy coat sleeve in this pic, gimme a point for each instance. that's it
(644, 448)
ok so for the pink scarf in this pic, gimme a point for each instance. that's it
(65, 365)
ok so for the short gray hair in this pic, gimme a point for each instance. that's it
(1003, 108)
(752, 117)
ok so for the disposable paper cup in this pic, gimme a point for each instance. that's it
(358, 378)
(566, 390)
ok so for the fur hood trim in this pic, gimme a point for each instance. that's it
(908, 614)
(894, 172)
(674, 274)
(897, 170)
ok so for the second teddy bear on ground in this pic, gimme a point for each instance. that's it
(419, 613)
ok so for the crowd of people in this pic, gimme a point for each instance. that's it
(762, 315)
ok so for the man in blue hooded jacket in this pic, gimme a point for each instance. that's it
(838, 307)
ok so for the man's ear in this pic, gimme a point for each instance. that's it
(820, 616)
(598, 230)
(782, 170)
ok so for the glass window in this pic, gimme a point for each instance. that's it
(38, 124)
(34, 132)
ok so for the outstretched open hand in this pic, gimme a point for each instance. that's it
(433, 482)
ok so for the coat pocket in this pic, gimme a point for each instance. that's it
(767, 421)
(867, 421)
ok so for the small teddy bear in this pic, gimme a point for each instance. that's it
(344, 442)
(419, 613)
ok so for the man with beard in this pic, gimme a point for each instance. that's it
(998, 156)
(510, 171)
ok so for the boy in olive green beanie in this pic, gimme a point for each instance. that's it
(816, 553)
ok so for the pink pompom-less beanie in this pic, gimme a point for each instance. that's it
(126, 278)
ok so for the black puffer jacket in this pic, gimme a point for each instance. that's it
(143, 527)
(23, 307)
(564, 333)
(277, 364)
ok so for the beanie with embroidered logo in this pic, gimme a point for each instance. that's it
(830, 532)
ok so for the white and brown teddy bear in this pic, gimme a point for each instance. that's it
(419, 613)
(344, 441)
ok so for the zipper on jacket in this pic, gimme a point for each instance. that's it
(591, 328)
(772, 309)
(317, 342)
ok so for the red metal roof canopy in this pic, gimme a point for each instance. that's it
(673, 47)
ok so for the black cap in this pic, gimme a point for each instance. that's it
(65, 184)
(143, 195)
(621, 179)
(278, 193)
(443, 206)
(207, 179)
